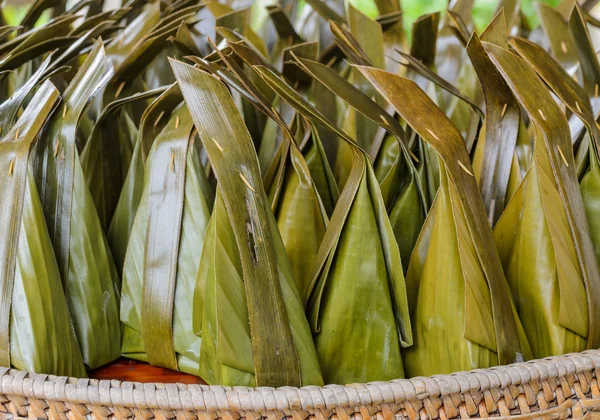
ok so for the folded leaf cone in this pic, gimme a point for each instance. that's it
(455, 253)
(253, 320)
(358, 267)
(107, 154)
(85, 262)
(300, 213)
(36, 333)
(164, 252)
(540, 263)
(153, 121)
(226, 354)
(557, 292)
(399, 183)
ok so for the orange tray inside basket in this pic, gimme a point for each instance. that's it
(130, 370)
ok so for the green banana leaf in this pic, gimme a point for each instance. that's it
(301, 216)
(85, 262)
(556, 29)
(455, 253)
(36, 333)
(141, 58)
(286, 34)
(575, 281)
(358, 258)
(164, 252)
(315, 155)
(401, 188)
(152, 122)
(107, 154)
(280, 347)
(36, 42)
(539, 259)
(502, 120)
(121, 45)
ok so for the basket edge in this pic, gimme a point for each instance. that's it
(214, 399)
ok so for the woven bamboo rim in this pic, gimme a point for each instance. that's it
(557, 387)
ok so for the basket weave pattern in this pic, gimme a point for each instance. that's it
(557, 387)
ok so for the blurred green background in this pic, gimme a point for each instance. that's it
(483, 10)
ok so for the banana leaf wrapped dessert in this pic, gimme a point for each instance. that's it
(455, 252)
(152, 123)
(85, 262)
(36, 333)
(294, 196)
(163, 254)
(138, 77)
(358, 257)
(556, 291)
(254, 330)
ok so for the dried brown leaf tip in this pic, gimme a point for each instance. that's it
(11, 166)
(413, 156)
(17, 135)
(433, 134)
(162, 113)
(246, 182)
(503, 111)
(177, 122)
(56, 148)
(562, 156)
(172, 162)
(119, 89)
(542, 114)
(464, 168)
(218, 145)
(64, 113)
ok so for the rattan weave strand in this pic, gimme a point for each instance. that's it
(557, 387)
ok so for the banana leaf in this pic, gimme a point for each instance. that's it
(393, 34)
(37, 8)
(118, 49)
(153, 121)
(455, 253)
(401, 188)
(567, 269)
(275, 336)
(589, 184)
(286, 34)
(345, 273)
(502, 120)
(85, 262)
(128, 77)
(576, 99)
(36, 333)
(163, 254)
(10, 107)
(317, 161)
(300, 214)
(557, 31)
(107, 154)
(448, 57)
(356, 124)
(55, 31)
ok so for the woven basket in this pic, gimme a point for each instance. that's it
(557, 387)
